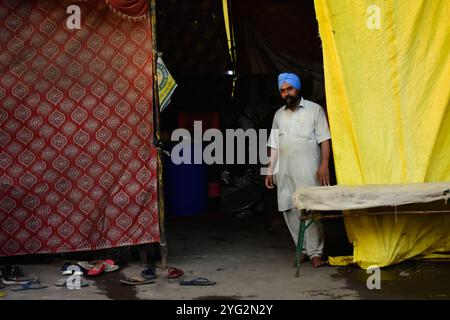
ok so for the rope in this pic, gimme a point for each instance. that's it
(322, 217)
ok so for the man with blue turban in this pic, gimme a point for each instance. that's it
(299, 150)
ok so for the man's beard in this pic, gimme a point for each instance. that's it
(291, 102)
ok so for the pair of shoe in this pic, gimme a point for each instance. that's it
(99, 267)
(13, 276)
(172, 273)
(11, 272)
(148, 275)
(103, 266)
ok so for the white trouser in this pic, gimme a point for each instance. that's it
(313, 239)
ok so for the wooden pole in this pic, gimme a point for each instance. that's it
(156, 108)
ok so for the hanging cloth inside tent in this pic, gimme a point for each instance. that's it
(166, 84)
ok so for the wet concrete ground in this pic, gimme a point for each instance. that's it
(249, 258)
(408, 280)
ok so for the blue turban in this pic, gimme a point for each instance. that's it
(290, 78)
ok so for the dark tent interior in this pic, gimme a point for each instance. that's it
(270, 37)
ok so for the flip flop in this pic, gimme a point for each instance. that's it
(2, 294)
(69, 268)
(62, 282)
(148, 273)
(32, 285)
(173, 273)
(137, 281)
(198, 281)
(19, 281)
(64, 268)
(86, 265)
(110, 266)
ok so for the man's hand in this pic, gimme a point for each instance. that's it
(323, 175)
(269, 181)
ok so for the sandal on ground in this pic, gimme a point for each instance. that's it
(86, 265)
(110, 266)
(62, 282)
(137, 281)
(148, 273)
(197, 281)
(173, 273)
(31, 285)
(69, 268)
(19, 281)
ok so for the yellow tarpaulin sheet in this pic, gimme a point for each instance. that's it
(387, 79)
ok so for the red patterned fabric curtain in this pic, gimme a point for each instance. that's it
(77, 162)
(130, 9)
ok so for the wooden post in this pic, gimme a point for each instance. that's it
(156, 108)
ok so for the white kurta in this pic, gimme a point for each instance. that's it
(297, 140)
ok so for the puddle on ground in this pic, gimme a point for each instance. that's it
(408, 280)
(110, 285)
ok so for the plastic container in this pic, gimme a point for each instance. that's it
(185, 188)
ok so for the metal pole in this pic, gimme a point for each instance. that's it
(156, 108)
(299, 249)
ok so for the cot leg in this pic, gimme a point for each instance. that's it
(298, 253)
(299, 249)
